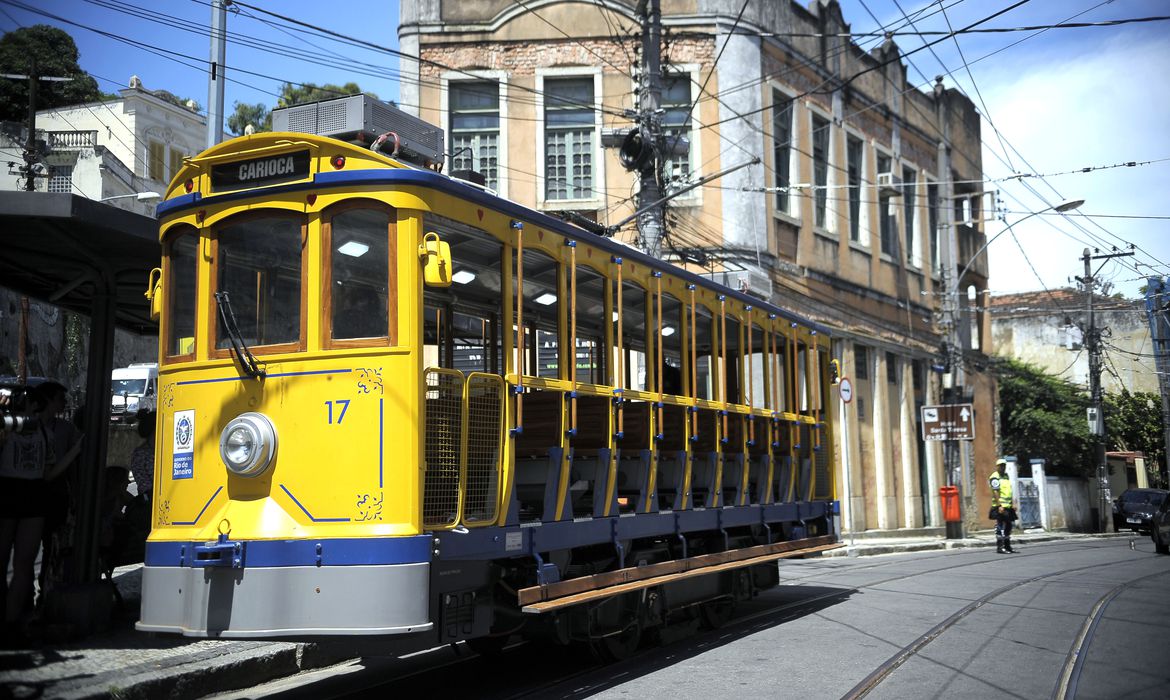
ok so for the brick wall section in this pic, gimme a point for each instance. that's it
(523, 58)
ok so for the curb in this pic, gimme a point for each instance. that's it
(865, 550)
(198, 675)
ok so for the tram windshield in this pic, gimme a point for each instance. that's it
(258, 263)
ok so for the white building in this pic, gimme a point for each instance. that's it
(99, 150)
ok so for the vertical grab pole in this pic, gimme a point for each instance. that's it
(572, 336)
(658, 344)
(723, 371)
(751, 381)
(519, 228)
(621, 351)
(694, 364)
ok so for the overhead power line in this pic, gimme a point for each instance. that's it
(984, 30)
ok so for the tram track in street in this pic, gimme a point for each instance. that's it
(882, 672)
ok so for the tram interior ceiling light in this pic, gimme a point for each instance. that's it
(546, 299)
(463, 277)
(667, 331)
(353, 249)
(248, 444)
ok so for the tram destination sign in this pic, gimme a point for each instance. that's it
(948, 422)
(267, 170)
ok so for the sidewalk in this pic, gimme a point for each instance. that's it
(124, 663)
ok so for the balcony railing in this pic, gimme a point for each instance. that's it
(71, 140)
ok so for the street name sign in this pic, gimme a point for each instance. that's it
(949, 422)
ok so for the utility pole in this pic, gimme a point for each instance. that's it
(948, 260)
(217, 72)
(31, 155)
(1158, 312)
(651, 219)
(1096, 415)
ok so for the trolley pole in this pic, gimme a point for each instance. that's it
(650, 218)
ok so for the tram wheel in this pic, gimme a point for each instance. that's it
(715, 613)
(618, 646)
(488, 646)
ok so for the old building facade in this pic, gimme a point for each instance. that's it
(1047, 328)
(845, 219)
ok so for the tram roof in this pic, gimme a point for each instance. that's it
(425, 178)
(59, 247)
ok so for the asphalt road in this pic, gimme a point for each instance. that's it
(1082, 618)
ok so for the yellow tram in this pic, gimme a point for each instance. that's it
(391, 402)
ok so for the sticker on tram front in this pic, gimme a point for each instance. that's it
(183, 466)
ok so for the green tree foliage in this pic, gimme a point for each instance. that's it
(1133, 423)
(54, 54)
(257, 115)
(1043, 417)
(299, 94)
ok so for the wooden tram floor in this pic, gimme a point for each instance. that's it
(121, 662)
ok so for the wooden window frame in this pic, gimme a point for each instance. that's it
(328, 342)
(213, 310)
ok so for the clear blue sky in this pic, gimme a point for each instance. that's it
(1060, 100)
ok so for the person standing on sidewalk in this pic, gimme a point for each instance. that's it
(1001, 504)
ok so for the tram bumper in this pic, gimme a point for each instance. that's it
(251, 602)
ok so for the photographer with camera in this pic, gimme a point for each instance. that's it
(30, 458)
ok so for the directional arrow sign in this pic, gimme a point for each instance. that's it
(949, 422)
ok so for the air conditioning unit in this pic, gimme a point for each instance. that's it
(360, 119)
(889, 184)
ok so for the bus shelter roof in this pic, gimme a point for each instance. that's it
(66, 249)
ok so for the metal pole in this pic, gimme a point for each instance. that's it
(1095, 396)
(217, 71)
(650, 220)
(30, 145)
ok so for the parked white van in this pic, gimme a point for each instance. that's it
(133, 388)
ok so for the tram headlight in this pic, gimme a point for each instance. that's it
(247, 444)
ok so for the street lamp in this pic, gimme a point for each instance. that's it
(952, 378)
(1067, 205)
(140, 196)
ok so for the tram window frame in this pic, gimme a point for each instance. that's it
(673, 351)
(213, 312)
(706, 369)
(477, 258)
(541, 321)
(778, 362)
(757, 367)
(170, 276)
(327, 311)
(635, 304)
(735, 364)
(590, 325)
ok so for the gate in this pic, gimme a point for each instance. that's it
(463, 448)
(1029, 503)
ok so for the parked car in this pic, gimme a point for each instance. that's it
(1160, 526)
(1136, 508)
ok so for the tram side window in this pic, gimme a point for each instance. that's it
(590, 360)
(706, 345)
(732, 371)
(359, 268)
(780, 365)
(541, 309)
(464, 319)
(632, 354)
(181, 248)
(802, 392)
(258, 263)
(672, 325)
(757, 368)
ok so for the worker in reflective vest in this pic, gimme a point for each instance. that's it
(1001, 505)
